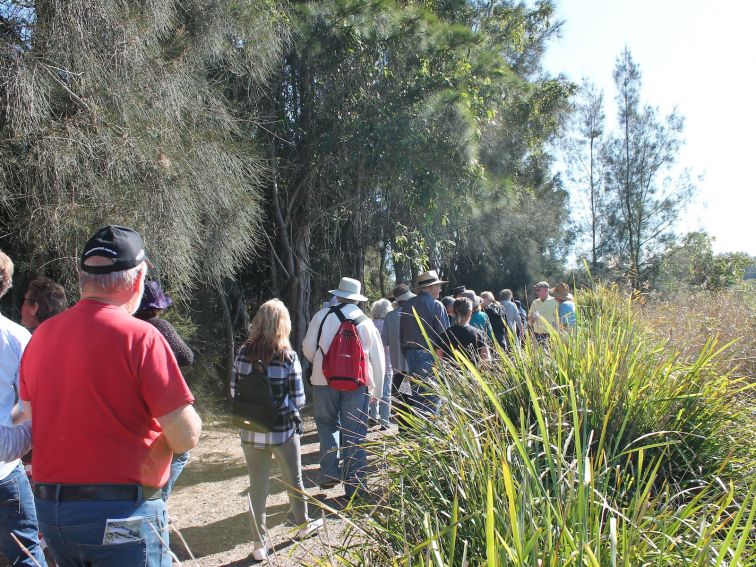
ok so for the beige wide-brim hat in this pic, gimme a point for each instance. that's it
(560, 291)
(428, 278)
(349, 289)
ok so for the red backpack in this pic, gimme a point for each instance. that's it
(344, 365)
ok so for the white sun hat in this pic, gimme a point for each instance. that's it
(349, 289)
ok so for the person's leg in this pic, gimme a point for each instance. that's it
(354, 406)
(18, 517)
(177, 465)
(401, 400)
(373, 410)
(289, 459)
(424, 397)
(106, 533)
(325, 402)
(385, 402)
(258, 466)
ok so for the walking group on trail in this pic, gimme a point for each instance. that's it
(98, 391)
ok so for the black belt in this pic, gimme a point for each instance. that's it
(95, 492)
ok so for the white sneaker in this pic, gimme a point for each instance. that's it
(260, 553)
(309, 530)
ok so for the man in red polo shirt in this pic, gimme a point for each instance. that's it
(110, 408)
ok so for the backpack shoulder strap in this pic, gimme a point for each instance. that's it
(359, 319)
(333, 309)
(356, 320)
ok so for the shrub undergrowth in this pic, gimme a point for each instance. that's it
(607, 448)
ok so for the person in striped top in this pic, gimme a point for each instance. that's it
(269, 342)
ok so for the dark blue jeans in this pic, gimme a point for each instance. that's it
(18, 516)
(424, 398)
(74, 531)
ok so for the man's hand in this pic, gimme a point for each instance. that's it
(182, 428)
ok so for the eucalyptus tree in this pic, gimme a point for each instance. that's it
(116, 112)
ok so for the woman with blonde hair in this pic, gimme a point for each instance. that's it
(268, 348)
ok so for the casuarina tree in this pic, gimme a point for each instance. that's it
(117, 113)
(639, 165)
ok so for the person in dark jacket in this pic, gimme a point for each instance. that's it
(462, 336)
(153, 305)
(496, 317)
(423, 316)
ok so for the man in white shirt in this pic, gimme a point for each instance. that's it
(19, 519)
(341, 416)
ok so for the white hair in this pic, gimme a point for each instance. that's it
(380, 308)
(114, 281)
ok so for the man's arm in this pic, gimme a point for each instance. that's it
(385, 334)
(296, 387)
(309, 346)
(21, 412)
(182, 428)
(15, 441)
(371, 339)
(532, 313)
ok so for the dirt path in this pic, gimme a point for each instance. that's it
(209, 504)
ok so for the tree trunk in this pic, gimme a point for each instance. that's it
(594, 259)
(402, 272)
(382, 269)
(230, 347)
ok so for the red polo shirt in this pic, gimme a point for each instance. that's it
(97, 379)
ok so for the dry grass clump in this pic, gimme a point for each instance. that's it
(689, 319)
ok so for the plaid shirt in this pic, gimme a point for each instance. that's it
(285, 375)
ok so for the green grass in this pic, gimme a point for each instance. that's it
(606, 449)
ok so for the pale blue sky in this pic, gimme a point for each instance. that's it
(697, 55)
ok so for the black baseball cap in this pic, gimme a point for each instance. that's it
(123, 245)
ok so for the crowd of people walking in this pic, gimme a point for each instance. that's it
(113, 420)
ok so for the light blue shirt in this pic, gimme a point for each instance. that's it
(567, 314)
(13, 341)
(512, 315)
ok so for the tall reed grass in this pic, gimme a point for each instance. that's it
(607, 448)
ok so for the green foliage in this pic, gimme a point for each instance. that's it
(606, 449)
(692, 263)
(116, 113)
(429, 140)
